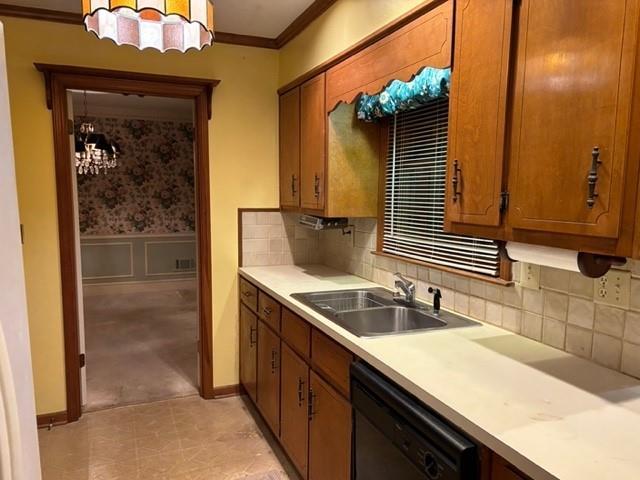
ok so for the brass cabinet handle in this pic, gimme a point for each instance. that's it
(300, 391)
(455, 181)
(293, 186)
(247, 294)
(316, 186)
(274, 361)
(311, 404)
(252, 340)
(267, 311)
(592, 178)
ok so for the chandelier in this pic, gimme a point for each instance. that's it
(94, 153)
(159, 24)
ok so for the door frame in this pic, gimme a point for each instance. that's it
(59, 79)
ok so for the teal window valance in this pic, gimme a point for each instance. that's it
(428, 85)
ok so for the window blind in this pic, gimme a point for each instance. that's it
(415, 196)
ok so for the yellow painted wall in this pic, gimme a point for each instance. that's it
(344, 24)
(243, 155)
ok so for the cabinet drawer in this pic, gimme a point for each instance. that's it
(249, 295)
(332, 360)
(269, 311)
(296, 332)
(502, 470)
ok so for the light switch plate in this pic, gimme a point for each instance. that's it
(614, 288)
(530, 276)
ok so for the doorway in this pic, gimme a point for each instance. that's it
(59, 80)
(137, 242)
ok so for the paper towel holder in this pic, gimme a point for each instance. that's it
(592, 265)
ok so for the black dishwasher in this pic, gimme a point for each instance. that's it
(398, 438)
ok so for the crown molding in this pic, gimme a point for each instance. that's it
(40, 14)
(305, 19)
(246, 40)
(76, 19)
(317, 8)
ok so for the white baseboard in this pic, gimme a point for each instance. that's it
(138, 287)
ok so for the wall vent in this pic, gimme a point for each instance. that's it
(183, 264)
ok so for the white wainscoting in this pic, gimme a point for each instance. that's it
(137, 258)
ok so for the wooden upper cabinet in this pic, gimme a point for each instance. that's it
(425, 41)
(313, 122)
(294, 425)
(477, 111)
(290, 149)
(571, 115)
(329, 433)
(248, 350)
(268, 377)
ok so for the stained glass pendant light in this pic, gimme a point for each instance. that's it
(159, 24)
(94, 152)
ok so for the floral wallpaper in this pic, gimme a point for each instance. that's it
(152, 188)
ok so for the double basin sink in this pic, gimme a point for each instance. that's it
(374, 312)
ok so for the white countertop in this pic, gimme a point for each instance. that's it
(550, 413)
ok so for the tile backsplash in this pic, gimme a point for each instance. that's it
(274, 238)
(562, 313)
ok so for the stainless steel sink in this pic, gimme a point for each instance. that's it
(373, 312)
(346, 300)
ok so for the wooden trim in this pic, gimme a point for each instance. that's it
(48, 420)
(315, 10)
(246, 40)
(382, 179)
(203, 232)
(305, 19)
(462, 273)
(228, 391)
(379, 34)
(136, 83)
(240, 212)
(59, 80)
(40, 14)
(73, 18)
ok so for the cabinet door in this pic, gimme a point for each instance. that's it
(248, 350)
(502, 470)
(477, 111)
(290, 149)
(573, 87)
(329, 433)
(269, 376)
(294, 422)
(312, 143)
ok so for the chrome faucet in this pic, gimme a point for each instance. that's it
(407, 288)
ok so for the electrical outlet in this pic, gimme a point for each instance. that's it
(530, 276)
(614, 288)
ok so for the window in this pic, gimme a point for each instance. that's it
(415, 196)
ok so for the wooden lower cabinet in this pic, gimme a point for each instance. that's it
(329, 432)
(300, 384)
(294, 420)
(248, 350)
(269, 376)
(502, 470)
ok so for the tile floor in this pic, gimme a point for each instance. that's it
(141, 347)
(181, 439)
